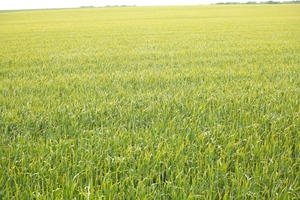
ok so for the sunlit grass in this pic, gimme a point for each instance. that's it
(188, 102)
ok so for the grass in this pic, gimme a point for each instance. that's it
(186, 102)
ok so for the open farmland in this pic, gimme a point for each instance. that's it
(185, 102)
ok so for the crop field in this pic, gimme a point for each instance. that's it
(183, 102)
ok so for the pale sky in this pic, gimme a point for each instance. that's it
(31, 4)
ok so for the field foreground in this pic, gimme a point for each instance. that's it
(187, 102)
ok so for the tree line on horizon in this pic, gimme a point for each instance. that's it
(262, 2)
(249, 2)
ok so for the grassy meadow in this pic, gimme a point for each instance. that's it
(183, 102)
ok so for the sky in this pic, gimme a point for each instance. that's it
(33, 4)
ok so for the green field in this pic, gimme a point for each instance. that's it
(184, 102)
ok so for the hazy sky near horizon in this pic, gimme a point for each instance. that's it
(31, 4)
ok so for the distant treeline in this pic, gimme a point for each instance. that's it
(108, 6)
(120, 6)
(263, 2)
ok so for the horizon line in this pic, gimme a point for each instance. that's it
(134, 5)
